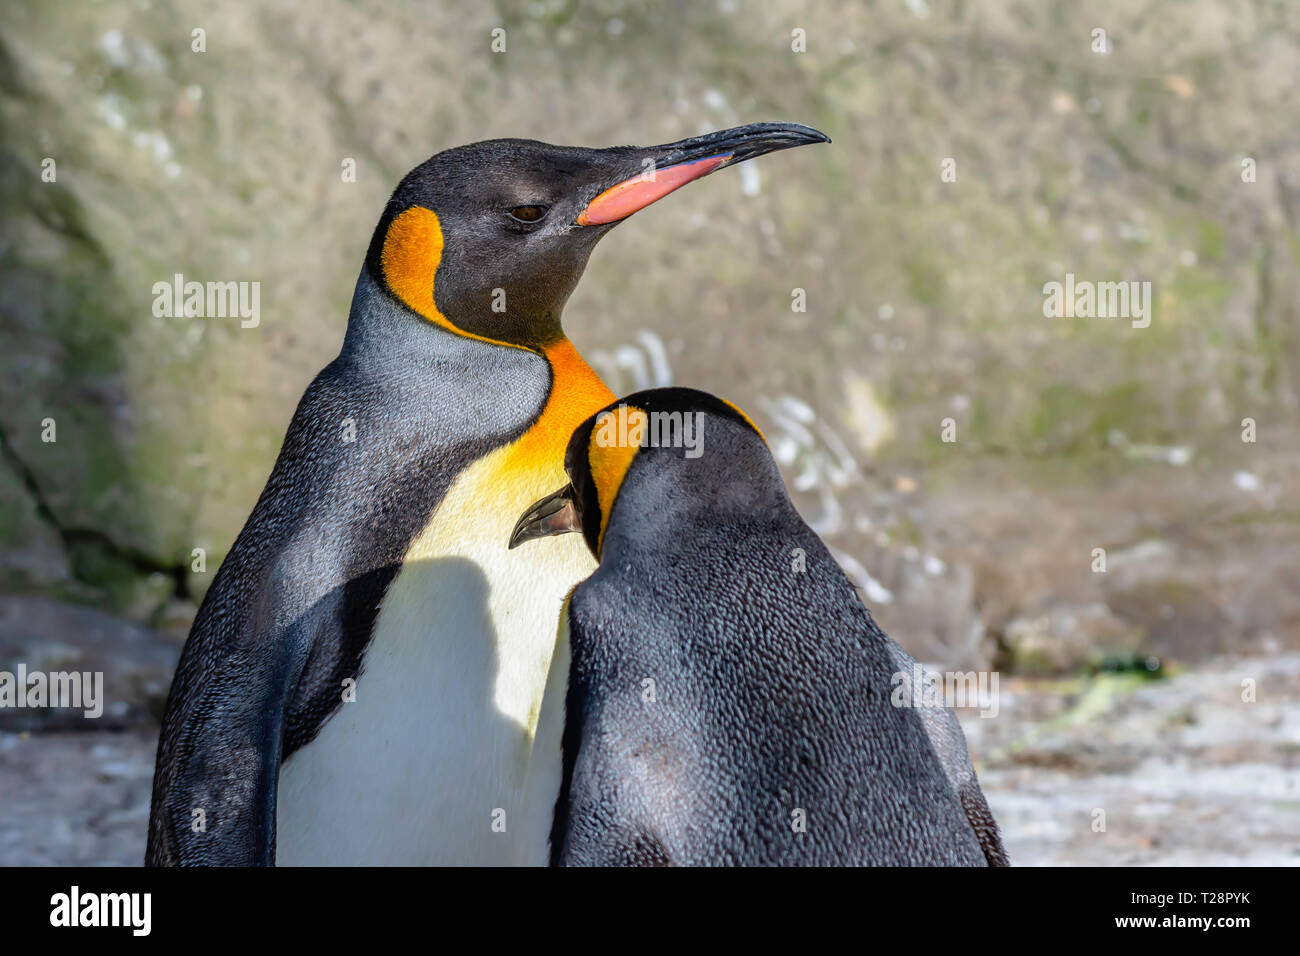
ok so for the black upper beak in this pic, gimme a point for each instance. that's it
(557, 513)
(739, 144)
(663, 169)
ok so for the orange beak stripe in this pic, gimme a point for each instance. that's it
(619, 202)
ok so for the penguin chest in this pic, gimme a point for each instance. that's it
(450, 752)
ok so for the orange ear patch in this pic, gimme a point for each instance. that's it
(614, 442)
(410, 257)
(412, 251)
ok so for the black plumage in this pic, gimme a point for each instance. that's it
(770, 697)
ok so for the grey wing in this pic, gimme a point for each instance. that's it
(222, 736)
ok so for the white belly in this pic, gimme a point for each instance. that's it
(451, 752)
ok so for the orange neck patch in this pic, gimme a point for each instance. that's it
(613, 444)
(577, 393)
(410, 257)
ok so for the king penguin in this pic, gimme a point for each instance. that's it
(370, 678)
(730, 698)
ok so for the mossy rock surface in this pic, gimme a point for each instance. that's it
(227, 165)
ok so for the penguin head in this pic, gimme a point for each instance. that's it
(649, 467)
(488, 240)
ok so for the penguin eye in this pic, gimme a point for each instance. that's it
(528, 214)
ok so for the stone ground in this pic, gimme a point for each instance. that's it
(75, 798)
(1186, 773)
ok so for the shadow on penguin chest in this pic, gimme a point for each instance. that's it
(450, 753)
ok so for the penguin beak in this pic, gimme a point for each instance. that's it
(673, 165)
(555, 514)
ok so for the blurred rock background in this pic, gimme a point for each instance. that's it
(1172, 158)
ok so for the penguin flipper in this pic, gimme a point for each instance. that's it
(949, 744)
(214, 792)
(982, 822)
(216, 806)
